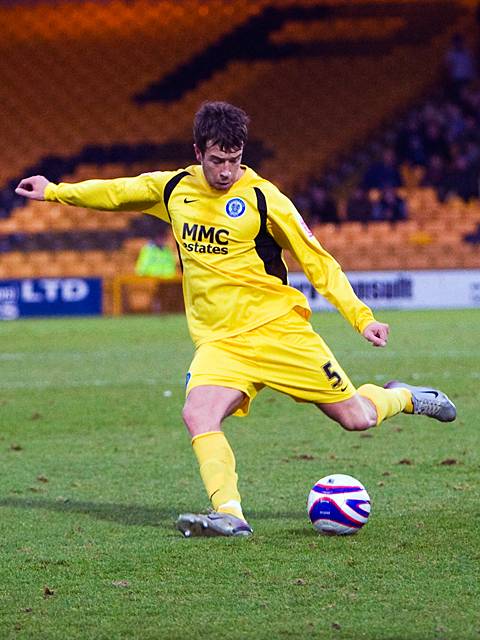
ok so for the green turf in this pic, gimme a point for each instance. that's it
(96, 464)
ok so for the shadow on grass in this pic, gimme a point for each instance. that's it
(127, 514)
(122, 513)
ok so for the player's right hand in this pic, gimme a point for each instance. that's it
(33, 187)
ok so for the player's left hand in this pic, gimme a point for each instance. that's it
(377, 333)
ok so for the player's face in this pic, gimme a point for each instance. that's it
(220, 168)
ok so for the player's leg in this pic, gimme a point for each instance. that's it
(373, 404)
(205, 409)
(353, 414)
(219, 384)
(317, 377)
(368, 407)
(297, 361)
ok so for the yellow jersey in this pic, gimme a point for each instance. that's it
(230, 246)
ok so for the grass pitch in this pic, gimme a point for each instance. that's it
(96, 465)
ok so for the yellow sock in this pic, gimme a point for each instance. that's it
(388, 402)
(217, 469)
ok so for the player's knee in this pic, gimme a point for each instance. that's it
(190, 418)
(196, 421)
(357, 422)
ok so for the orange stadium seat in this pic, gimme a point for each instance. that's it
(321, 106)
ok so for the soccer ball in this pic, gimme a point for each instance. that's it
(338, 505)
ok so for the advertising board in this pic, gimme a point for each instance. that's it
(404, 289)
(33, 297)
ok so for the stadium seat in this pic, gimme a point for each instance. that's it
(133, 44)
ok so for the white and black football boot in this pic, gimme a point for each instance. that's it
(427, 401)
(212, 524)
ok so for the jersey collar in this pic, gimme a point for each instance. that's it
(248, 174)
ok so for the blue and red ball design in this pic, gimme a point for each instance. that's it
(338, 505)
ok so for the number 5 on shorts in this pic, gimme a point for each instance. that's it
(332, 375)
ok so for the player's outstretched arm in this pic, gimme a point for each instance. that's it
(139, 193)
(377, 333)
(33, 187)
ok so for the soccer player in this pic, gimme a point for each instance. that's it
(250, 328)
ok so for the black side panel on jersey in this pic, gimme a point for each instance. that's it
(167, 192)
(170, 186)
(269, 252)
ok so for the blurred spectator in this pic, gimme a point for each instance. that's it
(441, 135)
(301, 200)
(390, 208)
(411, 127)
(454, 122)
(469, 100)
(5, 244)
(460, 66)
(359, 206)
(472, 153)
(431, 113)
(156, 258)
(435, 174)
(471, 132)
(461, 179)
(414, 152)
(323, 207)
(435, 142)
(384, 173)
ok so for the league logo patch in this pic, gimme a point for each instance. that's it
(235, 207)
(304, 225)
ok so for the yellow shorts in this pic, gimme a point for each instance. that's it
(285, 354)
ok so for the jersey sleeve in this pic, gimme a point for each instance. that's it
(290, 231)
(140, 193)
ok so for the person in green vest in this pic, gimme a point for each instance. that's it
(156, 258)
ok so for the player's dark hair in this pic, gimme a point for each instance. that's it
(220, 123)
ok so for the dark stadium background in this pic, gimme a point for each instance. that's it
(104, 89)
